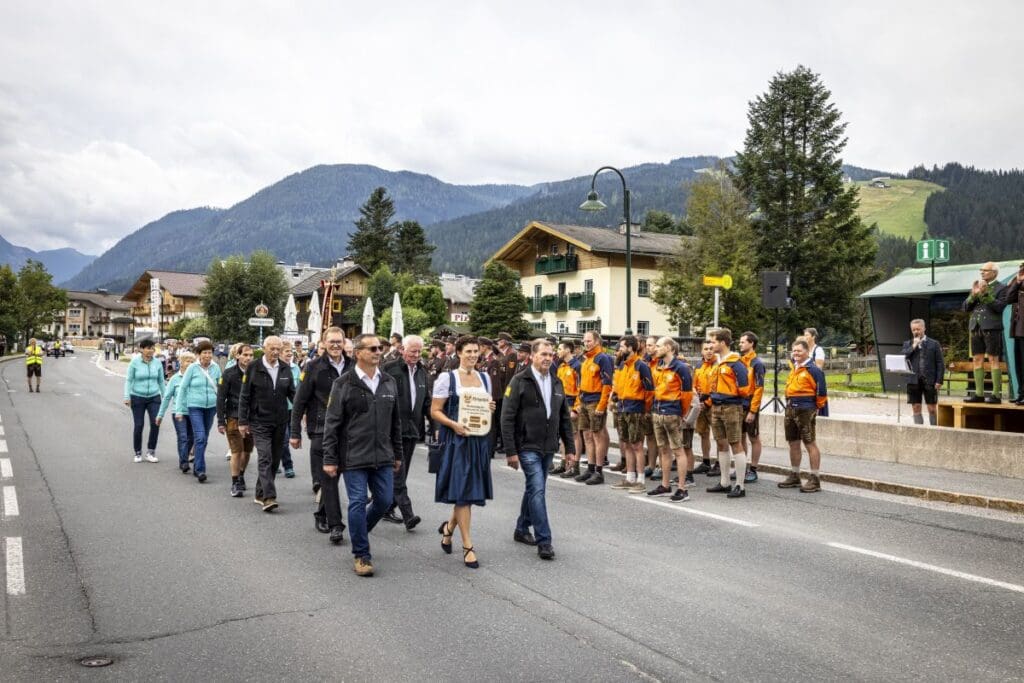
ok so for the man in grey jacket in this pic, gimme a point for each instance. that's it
(363, 441)
(985, 304)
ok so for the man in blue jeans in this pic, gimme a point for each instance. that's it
(363, 441)
(534, 414)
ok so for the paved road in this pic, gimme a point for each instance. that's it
(178, 581)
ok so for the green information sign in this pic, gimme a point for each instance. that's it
(933, 251)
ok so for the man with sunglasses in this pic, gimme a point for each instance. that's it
(363, 442)
(311, 402)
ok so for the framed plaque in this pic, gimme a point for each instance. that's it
(475, 412)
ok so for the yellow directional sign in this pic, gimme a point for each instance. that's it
(724, 281)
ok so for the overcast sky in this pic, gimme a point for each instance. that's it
(113, 114)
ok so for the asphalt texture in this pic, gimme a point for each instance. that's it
(175, 580)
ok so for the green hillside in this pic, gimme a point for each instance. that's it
(899, 208)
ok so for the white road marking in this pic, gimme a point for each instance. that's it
(929, 567)
(1, 430)
(10, 502)
(3, 446)
(6, 472)
(15, 566)
(100, 367)
(682, 507)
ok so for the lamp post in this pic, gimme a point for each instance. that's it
(593, 203)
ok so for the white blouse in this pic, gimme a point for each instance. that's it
(441, 385)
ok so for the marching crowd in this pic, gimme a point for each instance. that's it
(365, 406)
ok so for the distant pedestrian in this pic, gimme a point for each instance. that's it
(196, 401)
(143, 389)
(34, 363)
(311, 403)
(534, 415)
(673, 396)
(464, 477)
(806, 394)
(924, 357)
(229, 388)
(182, 428)
(596, 371)
(752, 420)
(267, 387)
(108, 348)
(702, 389)
(288, 356)
(363, 442)
(117, 351)
(817, 353)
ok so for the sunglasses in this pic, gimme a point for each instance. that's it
(372, 349)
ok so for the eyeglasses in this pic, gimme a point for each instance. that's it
(340, 342)
(372, 349)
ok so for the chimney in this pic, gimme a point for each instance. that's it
(634, 228)
(344, 262)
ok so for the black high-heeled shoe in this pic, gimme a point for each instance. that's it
(472, 565)
(447, 547)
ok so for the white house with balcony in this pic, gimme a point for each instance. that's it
(574, 277)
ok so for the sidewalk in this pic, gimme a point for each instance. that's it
(927, 483)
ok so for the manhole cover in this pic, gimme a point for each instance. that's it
(93, 662)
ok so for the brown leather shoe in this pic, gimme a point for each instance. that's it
(811, 485)
(363, 567)
(791, 481)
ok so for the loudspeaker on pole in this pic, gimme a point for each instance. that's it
(775, 289)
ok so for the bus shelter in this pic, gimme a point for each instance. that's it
(911, 294)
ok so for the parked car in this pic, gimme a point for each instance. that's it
(67, 347)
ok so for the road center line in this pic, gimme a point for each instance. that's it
(1, 430)
(10, 502)
(15, 566)
(929, 567)
(3, 446)
(6, 472)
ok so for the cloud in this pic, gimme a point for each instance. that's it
(114, 113)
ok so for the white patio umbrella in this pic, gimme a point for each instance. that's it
(315, 322)
(369, 327)
(291, 325)
(397, 321)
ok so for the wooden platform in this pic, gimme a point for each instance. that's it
(1004, 417)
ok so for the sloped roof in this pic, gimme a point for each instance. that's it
(177, 283)
(312, 283)
(101, 300)
(458, 290)
(917, 282)
(603, 240)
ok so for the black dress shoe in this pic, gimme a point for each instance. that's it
(545, 551)
(321, 525)
(995, 400)
(524, 538)
(974, 398)
(411, 523)
(338, 534)
(718, 488)
(390, 516)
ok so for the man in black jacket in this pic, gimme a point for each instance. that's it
(985, 303)
(267, 386)
(363, 441)
(414, 408)
(1013, 296)
(924, 356)
(229, 388)
(311, 402)
(534, 414)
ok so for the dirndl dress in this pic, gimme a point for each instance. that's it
(464, 476)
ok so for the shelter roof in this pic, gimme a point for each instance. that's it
(917, 282)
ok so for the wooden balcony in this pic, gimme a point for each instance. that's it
(560, 263)
(581, 301)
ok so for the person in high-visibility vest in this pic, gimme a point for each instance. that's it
(34, 362)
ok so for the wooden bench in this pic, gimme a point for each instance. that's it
(963, 371)
(1004, 417)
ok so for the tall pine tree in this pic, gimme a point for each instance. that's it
(372, 242)
(498, 303)
(790, 169)
(411, 251)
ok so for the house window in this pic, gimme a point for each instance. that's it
(643, 328)
(554, 249)
(336, 306)
(588, 286)
(536, 291)
(570, 249)
(643, 287)
(587, 326)
(539, 326)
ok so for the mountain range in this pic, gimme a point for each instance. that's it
(61, 263)
(308, 216)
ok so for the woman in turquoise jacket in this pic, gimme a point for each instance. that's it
(196, 401)
(143, 386)
(186, 440)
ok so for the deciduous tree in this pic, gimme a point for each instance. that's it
(233, 289)
(36, 299)
(498, 303)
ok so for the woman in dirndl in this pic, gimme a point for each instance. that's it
(464, 475)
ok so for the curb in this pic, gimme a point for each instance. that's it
(894, 489)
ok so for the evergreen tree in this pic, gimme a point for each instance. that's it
(234, 288)
(381, 288)
(411, 251)
(8, 306)
(371, 244)
(790, 169)
(498, 303)
(662, 222)
(36, 299)
(723, 245)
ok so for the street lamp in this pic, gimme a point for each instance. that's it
(593, 203)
